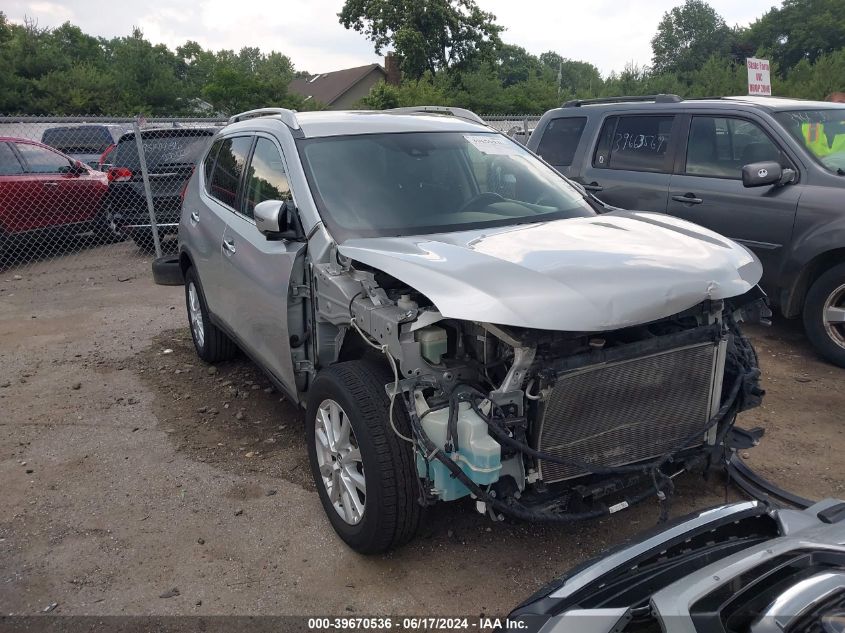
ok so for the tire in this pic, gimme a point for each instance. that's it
(213, 345)
(104, 232)
(167, 271)
(391, 512)
(826, 293)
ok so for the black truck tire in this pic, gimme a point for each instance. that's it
(826, 294)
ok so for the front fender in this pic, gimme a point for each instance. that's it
(818, 248)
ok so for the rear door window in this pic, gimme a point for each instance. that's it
(9, 163)
(635, 143)
(228, 169)
(560, 140)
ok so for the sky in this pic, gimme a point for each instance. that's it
(607, 33)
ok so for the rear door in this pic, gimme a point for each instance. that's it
(632, 161)
(206, 217)
(257, 271)
(707, 188)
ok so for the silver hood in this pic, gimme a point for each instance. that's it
(585, 274)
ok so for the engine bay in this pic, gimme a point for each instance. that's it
(540, 424)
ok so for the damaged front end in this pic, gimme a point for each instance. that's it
(539, 424)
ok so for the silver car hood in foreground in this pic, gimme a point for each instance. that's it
(585, 274)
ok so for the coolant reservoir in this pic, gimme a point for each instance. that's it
(478, 455)
(433, 343)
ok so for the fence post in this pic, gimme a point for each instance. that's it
(149, 193)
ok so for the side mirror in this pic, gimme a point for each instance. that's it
(766, 173)
(276, 220)
(74, 169)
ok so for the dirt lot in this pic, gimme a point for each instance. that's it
(129, 468)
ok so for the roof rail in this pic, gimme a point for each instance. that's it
(661, 98)
(288, 116)
(461, 113)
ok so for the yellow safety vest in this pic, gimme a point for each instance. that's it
(816, 140)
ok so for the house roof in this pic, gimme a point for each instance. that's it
(328, 87)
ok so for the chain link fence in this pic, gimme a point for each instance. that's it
(69, 185)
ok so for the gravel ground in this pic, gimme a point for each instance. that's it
(129, 468)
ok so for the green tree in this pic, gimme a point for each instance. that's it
(577, 78)
(815, 80)
(428, 35)
(515, 65)
(688, 36)
(800, 30)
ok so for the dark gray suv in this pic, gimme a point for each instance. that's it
(766, 172)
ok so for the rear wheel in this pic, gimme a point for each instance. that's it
(211, 344)
(824, 315)
(104, 230)
(365, 473)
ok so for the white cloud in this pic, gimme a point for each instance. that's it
(608, 33)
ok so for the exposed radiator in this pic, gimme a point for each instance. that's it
(628, 411)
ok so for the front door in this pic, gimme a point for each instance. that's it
(44, 171)
(709, 191)
(257, 271)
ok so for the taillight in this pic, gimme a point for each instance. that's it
(185, 186)
(119, 174)
(104, 155)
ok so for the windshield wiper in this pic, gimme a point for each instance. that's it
(840, 171)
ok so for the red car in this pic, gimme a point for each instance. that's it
(41, 188)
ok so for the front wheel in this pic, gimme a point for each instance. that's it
(824, 315)
(364, 472)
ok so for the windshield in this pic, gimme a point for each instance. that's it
(89, 139)
(821, 131)
(430, 182)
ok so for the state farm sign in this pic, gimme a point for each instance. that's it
(759, 79)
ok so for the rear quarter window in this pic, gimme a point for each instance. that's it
(635, 143)
(208, 165)
(560, 140)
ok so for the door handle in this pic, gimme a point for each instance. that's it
(593, 186)
(49, 184)
(195, 217)
(688, 198)
(229, 245)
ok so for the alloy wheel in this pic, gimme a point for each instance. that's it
(195, 315)
(339, 459)
(833, 316)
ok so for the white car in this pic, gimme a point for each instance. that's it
(459, 320)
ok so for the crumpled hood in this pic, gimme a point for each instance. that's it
(585, 274)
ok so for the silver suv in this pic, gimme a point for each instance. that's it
(460, 321)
